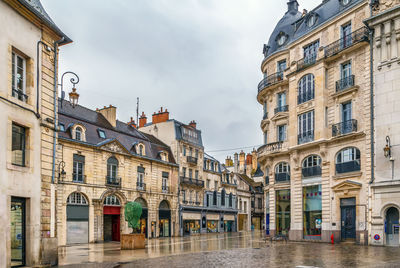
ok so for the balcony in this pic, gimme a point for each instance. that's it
(191, 181)
(281, 109)
(349, 166)
(191, 160)
(270, 80)
(345, 127)
(271, 147)
(113, 181)
(345, 83)
(165, 189)
(347, 41)
(140, 186)
(19, 94)
(305, 137)
(76, 178)
(282, 177)
(311, 171)
(306, 62)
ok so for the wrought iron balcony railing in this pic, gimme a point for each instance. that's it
(270, 80)
(140, 186)
(311, 171)
(280, 109)
(344, 127)
(306, 61)
(113, 181)
(19, 94)
(191, 160)
(345, 83)
(282, 177)
(306, 96)
(347, 41)
(192, 181)
(305, 137)
(349, 166)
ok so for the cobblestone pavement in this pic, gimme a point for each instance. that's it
(228, 250)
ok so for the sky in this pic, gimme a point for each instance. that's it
(200, 59)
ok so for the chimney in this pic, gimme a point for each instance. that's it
(161, 116)
(242, 162)
(235, 162)
(249, 160)
(293, 7)
(304, 12)
(110, 113)
(142, 120)
(193, 124)
(132, 123)
(228, 162)
(255, 160)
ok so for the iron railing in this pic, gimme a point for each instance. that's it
(348, 166)
(78, 178)
(113, 181)
(271, 147)
(270, 80)
(305, 137)
(282, 177)
(192, 181)
(19, 94)
(306, 61)
(345, 83)
(165, 189)
(311, 171)
(191, 160)
(306, 96)
(347, 41)
(344, 127)
(140, 186)
(283, 108)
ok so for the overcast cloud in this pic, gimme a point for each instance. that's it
(198, 58)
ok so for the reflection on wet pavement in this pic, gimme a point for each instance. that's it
(230, 250)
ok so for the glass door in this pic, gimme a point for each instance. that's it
(17, 232)
(346, 36)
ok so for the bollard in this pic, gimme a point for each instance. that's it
(332, 240)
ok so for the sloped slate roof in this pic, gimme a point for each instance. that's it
(259, 172)
(36, 7)
(126, 135)
(179, 134)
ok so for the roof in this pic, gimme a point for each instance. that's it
(294, 26)
(36, 7)
(123, 133)
(179, 126)
(259, 172)
(246, 178)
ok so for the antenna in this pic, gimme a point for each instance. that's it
(137, 111)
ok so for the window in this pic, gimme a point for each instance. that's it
(214, 198)
(18, 145)
(245, 206)
(216, 185)
(223, 197)
(311, 166)
(77, 199)
(196, 152)
(196, 174)
(184, 150)
(140, 178)
(78, 133)
(306, 127)
(281, 39)
(282, 210)
(348, 160)
(208, 184)
(102, 134)
(281, 99)
(312, 211)
(164, 183)
(112, 167)
(190, 151)
(259, 203)
(310, 52)
(265, 137)
(78, 168)
(282, 172)
(345, 70)
(345, 2)
(281, 66)
(184, 172)
(306, 88)
(346, 116)
(345, 32)
(265, 111)
(311, 20)
(112, 200)
(61, 127)
(282, 133)
(190, 173)
(190, 196)
(19, 77)
(141, 149)
(183, 195)
(230, 200)
(282, 168)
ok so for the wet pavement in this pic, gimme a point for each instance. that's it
(229, 250)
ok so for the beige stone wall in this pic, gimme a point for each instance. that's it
(96, 191)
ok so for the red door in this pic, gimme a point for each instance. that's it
(115, 228)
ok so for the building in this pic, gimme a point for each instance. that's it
(29, 39)
(316, 123)
(202, 206)
(385, 185)
(104, 163)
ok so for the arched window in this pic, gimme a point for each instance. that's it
(112, 167)
(348, 160)
(306, 88)
(142, 202)
(141, 149)
(78, 133)
(164, 205)
(112, 200)
(282, 172)
(223, 197)
(311, 166)
(77, 199)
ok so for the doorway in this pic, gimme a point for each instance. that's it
(164, 214)
(111, 223)
(18, 240)
(392, 227)
(348, 218)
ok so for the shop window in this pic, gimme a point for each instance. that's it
(312, 211)
(283, 212)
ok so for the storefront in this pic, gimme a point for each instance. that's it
(164, 223)
(312, 212)
(191, 227)
(283, 212)
(256, 223)
(18, 231)
(144, 216)
(77, 219)
(111, 218)
(229, 223)
(212, 226)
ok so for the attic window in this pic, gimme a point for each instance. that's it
(345, 2)
(281, 38)
(61, 127)
(102, 134)
(312, 19)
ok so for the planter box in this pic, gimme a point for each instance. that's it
(132, 241)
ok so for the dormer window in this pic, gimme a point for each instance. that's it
(281, 39)
(140, 149)
(345, 2)
(78, 133)
(311, 20)
(102, 134)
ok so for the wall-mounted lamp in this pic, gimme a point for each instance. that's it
(73, 95)
(61, 172)
(388, 148)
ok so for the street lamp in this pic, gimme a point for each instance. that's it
(387, 150)
(61, 172)
(73, 95)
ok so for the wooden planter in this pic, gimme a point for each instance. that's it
(132, 241)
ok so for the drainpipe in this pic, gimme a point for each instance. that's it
(55, 106)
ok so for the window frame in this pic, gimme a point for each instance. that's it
(22, 142)
(280, 139)
(102, 132)
(306, 88)
(282, 167)
(15, 91)
(79, 130)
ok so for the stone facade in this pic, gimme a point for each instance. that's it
(316, 124)
(385, 188)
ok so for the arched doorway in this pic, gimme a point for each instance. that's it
(77, 219)
(111, 218)
(164, 215)
(143, 218)
(392, 227)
